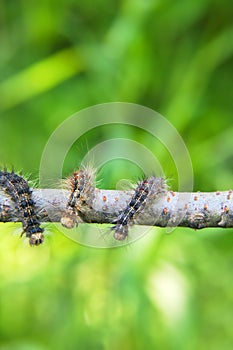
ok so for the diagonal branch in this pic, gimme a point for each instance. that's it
(196, 210)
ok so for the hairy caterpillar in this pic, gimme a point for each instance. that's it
(145, 191)
(81, 187)
(18, 189)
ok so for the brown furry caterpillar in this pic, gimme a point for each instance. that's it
(145, 191)
(81, 186)
(18, 189)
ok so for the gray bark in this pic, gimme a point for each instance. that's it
(196, 210)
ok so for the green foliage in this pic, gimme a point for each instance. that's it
(164, 291)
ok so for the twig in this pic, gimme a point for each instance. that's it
(196, 210)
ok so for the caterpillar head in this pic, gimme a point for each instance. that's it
(69, 219)
(121, 232)
(36, 239)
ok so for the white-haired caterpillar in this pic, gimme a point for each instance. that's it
(18, 189)
(81, 186)
(145, 191)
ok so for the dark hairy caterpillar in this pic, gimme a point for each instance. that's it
(18, 189)
(146, 190)
(81, 186)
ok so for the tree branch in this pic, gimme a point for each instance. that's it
(196, 210)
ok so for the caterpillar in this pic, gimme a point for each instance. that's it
(18, 189)
(81, 187)
(146, 190)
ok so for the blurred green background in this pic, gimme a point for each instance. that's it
(176, 57)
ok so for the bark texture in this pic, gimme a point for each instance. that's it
(196, 210)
